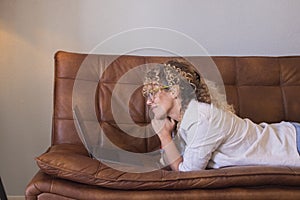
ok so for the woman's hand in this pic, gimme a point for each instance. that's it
(163, 127)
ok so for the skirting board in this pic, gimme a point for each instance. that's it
(16, 197)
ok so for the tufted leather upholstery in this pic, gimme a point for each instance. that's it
(260, 88)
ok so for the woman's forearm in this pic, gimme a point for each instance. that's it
(171, 153)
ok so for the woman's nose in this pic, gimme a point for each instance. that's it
(149, 101)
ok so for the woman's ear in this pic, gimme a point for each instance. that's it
(174, 91)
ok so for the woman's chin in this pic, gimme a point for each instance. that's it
(160, 116)
(159, 113)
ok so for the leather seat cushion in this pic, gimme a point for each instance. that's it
(69, 161)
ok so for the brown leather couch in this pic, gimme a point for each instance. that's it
(260, 88)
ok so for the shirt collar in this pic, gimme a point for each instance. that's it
(190, 115)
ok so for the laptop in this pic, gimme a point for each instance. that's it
(112, 155)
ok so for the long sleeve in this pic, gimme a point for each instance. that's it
(200, 142)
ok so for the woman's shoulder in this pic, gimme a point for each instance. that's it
(196, 112)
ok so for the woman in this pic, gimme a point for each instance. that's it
(214, 136)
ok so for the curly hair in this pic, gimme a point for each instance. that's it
(191, 84)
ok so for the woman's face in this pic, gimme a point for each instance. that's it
(159, 100)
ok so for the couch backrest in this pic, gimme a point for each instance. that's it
(260, 88)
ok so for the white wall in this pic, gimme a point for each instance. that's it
(32, 31)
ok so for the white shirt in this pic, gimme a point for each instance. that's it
(216, 138)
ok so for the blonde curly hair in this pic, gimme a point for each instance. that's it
(191, 84)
